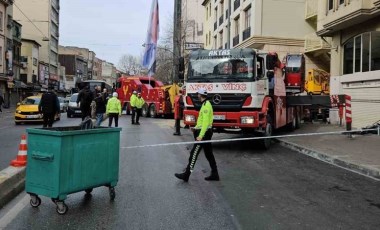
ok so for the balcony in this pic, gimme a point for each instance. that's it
(246, 33)
(347, 15)
(221, 20)
(236, 4)
(215, 25)
(311, 10)
(235, 40)
(314, 44)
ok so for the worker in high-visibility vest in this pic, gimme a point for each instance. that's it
(132, 103)
(202, 132)
(178, 113)
(139, 103)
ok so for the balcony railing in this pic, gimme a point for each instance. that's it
(235, 40)
(236, 4)
(246, 33)
(221, 20)
(215, 25)
(311, 9)
(314, 43)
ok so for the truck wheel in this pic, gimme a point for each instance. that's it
(152, 111)
(266, 143)
(144, 110)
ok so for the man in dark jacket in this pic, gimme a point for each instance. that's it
(85, 98)
(49, 107)
(100, 108)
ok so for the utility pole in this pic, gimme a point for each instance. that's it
(177, 38)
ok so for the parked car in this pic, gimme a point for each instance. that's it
(73, 108)
(27, 111)
(63, 104)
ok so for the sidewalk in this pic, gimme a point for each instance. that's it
(360, 154)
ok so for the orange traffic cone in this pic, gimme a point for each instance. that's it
(21, 156)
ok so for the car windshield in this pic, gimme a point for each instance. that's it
(31, 101)
(61, 100)
(74, 98)
(239, 69)
(294, 63)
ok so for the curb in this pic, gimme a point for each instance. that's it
(12, 182)
(356, 168)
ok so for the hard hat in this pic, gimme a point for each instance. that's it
(202, 91)
(115, 94)
(134, 92)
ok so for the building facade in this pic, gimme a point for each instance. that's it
(108, 72)
(265, 25)
(97, 69)
(45, 16)
(354, 28)
(192, 22)
(29, 61)
(75, 68)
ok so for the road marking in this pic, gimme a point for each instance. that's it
(6, 127)
(12, 214)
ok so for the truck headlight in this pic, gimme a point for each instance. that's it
(190, 118)
(247, 120)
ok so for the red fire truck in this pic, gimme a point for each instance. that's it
(250, 92)
(156, 95)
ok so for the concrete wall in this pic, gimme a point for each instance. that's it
(283, 19)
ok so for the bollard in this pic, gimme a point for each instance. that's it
(348, 114)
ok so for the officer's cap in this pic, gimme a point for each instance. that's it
(202, 91)
(134, 92)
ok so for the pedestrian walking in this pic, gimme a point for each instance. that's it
(132, 103)
(1, 102)
(202, 132)
(139, 103)
(178, 113)
(100, 108)
(113, 110)
(49, 107)
(85, 97)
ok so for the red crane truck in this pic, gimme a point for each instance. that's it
(250, 92)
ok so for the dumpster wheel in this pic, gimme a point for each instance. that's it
(35, 201)
(112, 193)
(61, 207)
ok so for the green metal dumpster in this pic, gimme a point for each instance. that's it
(65, 160)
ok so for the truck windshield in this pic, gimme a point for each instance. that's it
(236, 69)
(293, 63)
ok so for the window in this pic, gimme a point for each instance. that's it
(237, 28)
(247, 13)
(341, 2)
(1, 20)
(221, 39)
(215, 42)
(358, 52)
(375, 51)
(35, 61)
(216, 14)
(209, 37)
(330, 4)
(210, 10)
(1, 56)
(206, 39)
(365, 52)
(362, 53)
(206, 13)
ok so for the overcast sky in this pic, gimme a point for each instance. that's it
(110, 28)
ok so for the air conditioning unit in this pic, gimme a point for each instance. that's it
(24, 65)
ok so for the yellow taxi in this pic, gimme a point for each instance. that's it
(27, 111)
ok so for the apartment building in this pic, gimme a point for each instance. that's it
(354, 27)
(29, 61)
(88, 56)
(266, 25)
(108, 72)
(40, 22)
(192, 22)
(97, 69)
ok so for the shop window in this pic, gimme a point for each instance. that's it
(362, 53)
(375, 51)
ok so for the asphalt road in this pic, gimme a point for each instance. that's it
(10, 134)
(276, 189)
